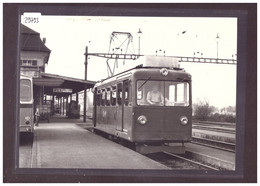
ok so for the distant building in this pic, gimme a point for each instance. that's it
(34, 54)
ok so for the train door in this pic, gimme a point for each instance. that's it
(123, 105)
(95, 107)
(119, 107)
(127, 108)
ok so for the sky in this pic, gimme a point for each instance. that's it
(67, 38)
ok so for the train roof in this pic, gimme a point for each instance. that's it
(147, 63)
(159, 61)
(25, 76)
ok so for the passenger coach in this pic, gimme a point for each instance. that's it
(149, 105)
(26, 104)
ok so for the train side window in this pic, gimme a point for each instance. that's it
(103, 98)
(139, 94)
(25, 90)
(113, 95)
(98, 97)
(126, 85)
(119, 93)
(108, 97)
(139, 90)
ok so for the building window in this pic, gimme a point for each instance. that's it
(34, 63)
(29, 62)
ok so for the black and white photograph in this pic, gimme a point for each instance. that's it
(130, 93)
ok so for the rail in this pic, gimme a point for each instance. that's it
(192, 161)
(216, 144)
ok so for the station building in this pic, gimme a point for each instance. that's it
(34, 56)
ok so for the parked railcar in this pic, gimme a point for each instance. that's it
(26, 104)
(149, 105)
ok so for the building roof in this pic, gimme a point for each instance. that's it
(50, 81)
(31, 41)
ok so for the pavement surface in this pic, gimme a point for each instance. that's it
(67, 145)
(25, 150)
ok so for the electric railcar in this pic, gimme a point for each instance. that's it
(26, 104)
(125, 107)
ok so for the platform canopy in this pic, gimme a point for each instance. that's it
(60, 85)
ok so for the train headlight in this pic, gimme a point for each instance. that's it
(164, 71)
(142, 119)
(184, 120)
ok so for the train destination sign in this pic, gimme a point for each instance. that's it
(62, 90)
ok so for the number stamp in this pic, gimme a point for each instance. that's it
(31, 17)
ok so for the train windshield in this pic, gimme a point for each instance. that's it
(25, 90)
(162, 93)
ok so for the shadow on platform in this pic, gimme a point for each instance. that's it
(57, 118)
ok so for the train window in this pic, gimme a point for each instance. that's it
(177, 93)
(126, 91)
(140, 90)
(139, 95)
(150, 92)
(25, 90)
(162, 93)
(113, 95)
(171, 93)
(108, 97)
(183, 93)
(98, 100)
(103, 98)
(119, 93)
(180, 92)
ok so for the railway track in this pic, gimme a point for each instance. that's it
(180, 162)
(221, 145)
(215, 129)
(211, 123)
(215, 142)
(186, 161)
(193, 162)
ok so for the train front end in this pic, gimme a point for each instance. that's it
(162, 115)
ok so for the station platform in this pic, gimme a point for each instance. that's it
(66, 144)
